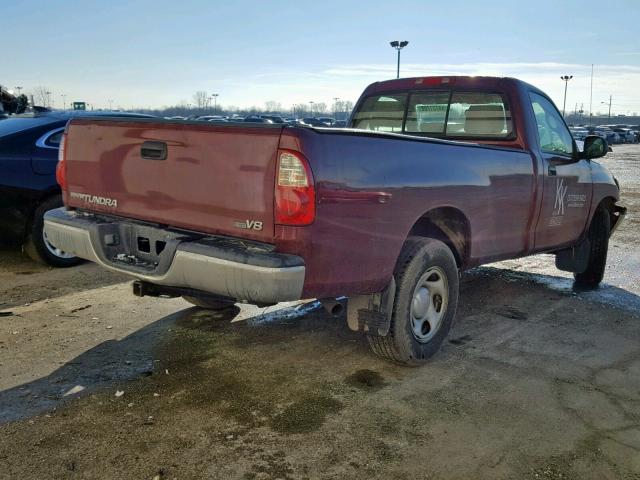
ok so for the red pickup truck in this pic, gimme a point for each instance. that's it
(434, 175)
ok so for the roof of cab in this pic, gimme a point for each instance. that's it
(448, 81)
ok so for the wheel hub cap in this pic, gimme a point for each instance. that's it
(429, 304)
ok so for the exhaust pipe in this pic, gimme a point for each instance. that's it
(332, 306)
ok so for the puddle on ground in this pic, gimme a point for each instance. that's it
(366, 380)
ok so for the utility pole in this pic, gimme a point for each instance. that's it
(311, 109)
(609, 103)
(48, 93)
(398, 45)
(591, 98)
(335, 106)
(215, 102)
(566, 79)
(64, 101)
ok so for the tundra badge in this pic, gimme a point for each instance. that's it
(94, 199)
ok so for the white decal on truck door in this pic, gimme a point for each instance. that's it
(561, 192)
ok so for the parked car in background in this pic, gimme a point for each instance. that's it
(579, 133)
(625, 133)
(328, 121)
(339, 124)
(313, 122)
(29, 145)
(208, 118)
(605, 132)
(257, 119)
(273, 118)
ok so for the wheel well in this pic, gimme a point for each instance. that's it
(449, 225)
(47, 195)
(608, 204)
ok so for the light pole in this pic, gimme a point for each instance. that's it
(566, 79)
(311, 109)
(215, 102)
(335, 106)
(64, 101)
(608, 103)
(110, 104)
(48, 93)
(398, 45)
(19, 89)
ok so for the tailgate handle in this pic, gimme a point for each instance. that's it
(154, 150)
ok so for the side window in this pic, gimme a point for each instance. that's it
(381, 113)
(54, 140)
(479, 115)
(427, 112)
(553, 134)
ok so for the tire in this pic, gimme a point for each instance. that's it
(598, 235)
(422, 261)
(209, 303)
(36, 244)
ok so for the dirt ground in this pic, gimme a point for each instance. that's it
(537, 381)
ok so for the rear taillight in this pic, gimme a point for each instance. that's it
(61, 168)
(295, 202)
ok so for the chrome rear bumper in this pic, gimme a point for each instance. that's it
(201, 264)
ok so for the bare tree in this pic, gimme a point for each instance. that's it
(40, 96)
(320, 107)
(200, 99)
(272, 106)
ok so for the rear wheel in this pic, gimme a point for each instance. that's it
(209, 303)
(38, 247)
(598, 235)
(425, 302)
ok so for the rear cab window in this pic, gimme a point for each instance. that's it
(438, 113)
(381, 113)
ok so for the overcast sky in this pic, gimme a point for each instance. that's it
(143, 53)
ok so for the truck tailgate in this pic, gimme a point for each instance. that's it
(214, 178)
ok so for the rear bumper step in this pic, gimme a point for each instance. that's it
(223, 266)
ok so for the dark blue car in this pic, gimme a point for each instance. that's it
(29, 146)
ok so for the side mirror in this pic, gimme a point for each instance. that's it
(594, 147)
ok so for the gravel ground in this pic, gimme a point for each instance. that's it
(536, 381)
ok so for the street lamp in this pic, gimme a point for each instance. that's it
(608, 103)
(398, 45)
(64, 100)
(215, 102)
(48, 93)
(335, 106)
(311, 109)
(566, 79)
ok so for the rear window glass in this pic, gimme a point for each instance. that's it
(478, 115)
(427, 112)
(438, 113)
(381, 113)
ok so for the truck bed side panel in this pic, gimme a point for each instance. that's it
(372, 189)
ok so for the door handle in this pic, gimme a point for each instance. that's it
(151, 150)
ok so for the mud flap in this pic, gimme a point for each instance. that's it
(371, 314)
(574, 259)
